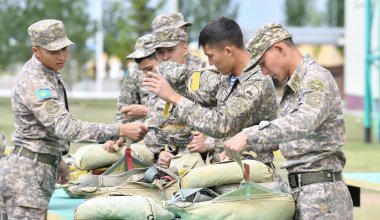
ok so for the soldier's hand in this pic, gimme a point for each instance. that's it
(113, 146)
(134, 111)
(198, 143)
(160, 86)
(237, 143)
(63, 173)
(164, 159)
(134, 130)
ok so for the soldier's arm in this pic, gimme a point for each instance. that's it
(223, 121)
(129, 94)
(312, 110)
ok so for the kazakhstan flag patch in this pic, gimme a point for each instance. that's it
(43, 94)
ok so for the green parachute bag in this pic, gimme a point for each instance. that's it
(122, 207)
(249, 201)
(270, 200)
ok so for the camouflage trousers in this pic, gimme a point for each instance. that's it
(330, 200)
(26, 187)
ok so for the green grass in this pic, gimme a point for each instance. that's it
(361, 157)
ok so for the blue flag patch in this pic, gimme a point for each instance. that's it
(43, 94)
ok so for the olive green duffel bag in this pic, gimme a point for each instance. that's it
(225, 173)
(249, 201)
(122, 207)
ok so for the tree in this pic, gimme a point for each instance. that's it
(124, 22)
(200, 12)
(305, 13)
(17, 15)
(302, 13)
(335, 13)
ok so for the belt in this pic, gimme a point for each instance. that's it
(43, 158)
(303, 179)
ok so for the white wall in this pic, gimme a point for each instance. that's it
(355, 48)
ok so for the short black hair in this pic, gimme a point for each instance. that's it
(139, 60)
(220, 32)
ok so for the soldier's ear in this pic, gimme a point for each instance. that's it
(36, 52)
(228, 51)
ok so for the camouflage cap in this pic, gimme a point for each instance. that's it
(168, 37)
(264, 38)
(49, 34)
(174, 19)
(143, 47)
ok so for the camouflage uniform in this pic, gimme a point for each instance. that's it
(251, 100)
(178, 75)
(132, 91)
(311, 130)
(43, 125)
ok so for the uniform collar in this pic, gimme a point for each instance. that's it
(295, 79)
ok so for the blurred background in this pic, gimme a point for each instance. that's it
(342, 35)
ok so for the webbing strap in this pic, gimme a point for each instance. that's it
(195, 81)
(166, 109)
(128, 158)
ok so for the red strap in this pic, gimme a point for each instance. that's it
(128, 158)
(247, 171)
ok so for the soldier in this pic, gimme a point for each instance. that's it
(132, 101)
(311, 128)
(171, 45)
(175, 19)
(250, 100)
(44, 127)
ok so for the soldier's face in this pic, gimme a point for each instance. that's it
(272, 64)
(176, 54)
(148, 64)
(54, 60)
(219, 58)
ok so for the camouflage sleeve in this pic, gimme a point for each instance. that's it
(210, 144)
(208, 89)
(52, 114)
(228, 119)
(129, 94)
(310, 112)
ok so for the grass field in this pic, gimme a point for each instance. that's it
(360, 157)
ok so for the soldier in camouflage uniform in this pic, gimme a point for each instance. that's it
(311, 128)
(176, 19)
(250, 100)
(155, 139)
(44, 127)
(132, 101)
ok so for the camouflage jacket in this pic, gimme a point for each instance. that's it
(251, 100)
(42, 122)
(178, 76)
(132, 92)
(311, 128)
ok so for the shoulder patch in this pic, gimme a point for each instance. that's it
(238, 107)
(52, 107)
(313, 99)
(43, 94)
(315, 85)
(250, 90)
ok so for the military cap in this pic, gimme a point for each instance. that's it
(143, 47)
(168, 37)
(48, 34)
(264, 38)
(174, 19)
